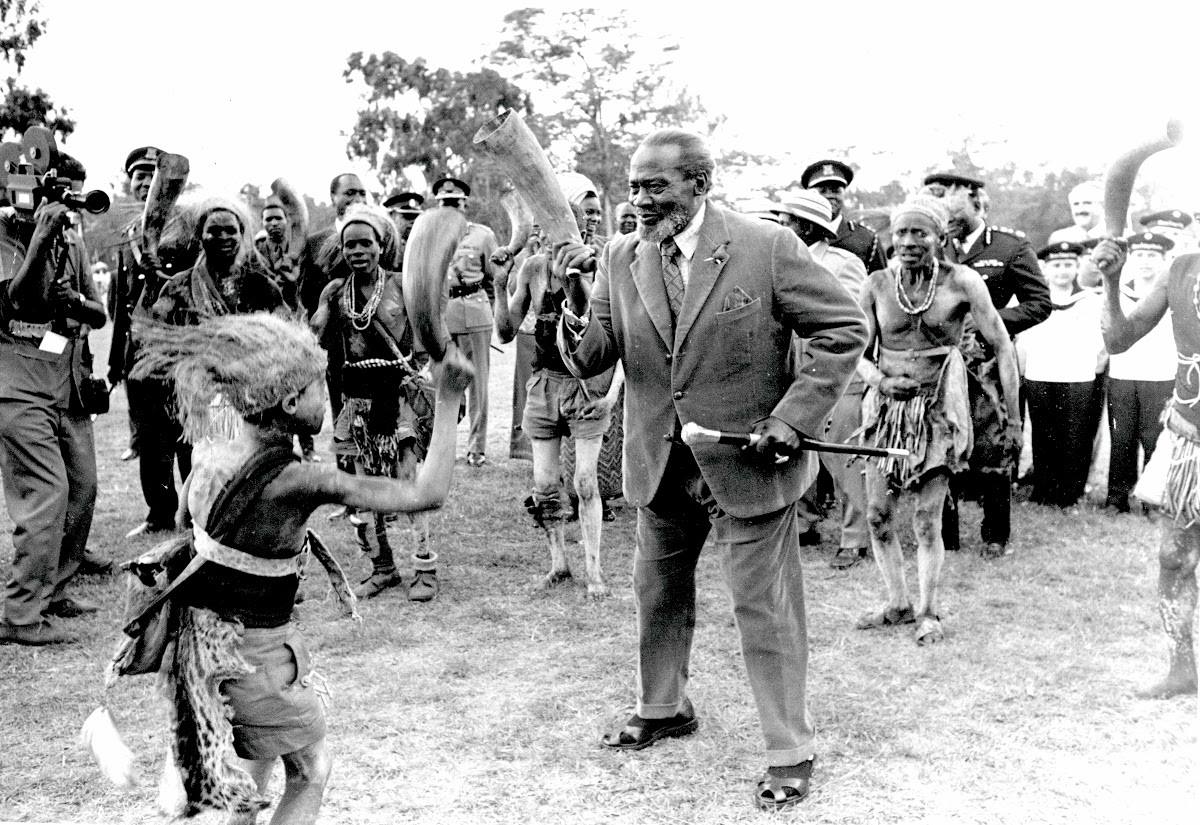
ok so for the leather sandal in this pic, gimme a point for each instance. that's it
(641, 733)
(774, 793)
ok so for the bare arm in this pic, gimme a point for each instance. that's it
(34, 278)
(1122, 331)
(512, 303)
(866, 369)
(429, 489)
(991, 326)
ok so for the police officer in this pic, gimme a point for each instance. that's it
(1007, 264)
(158, 438)
(126, 288)
(404, 208)
(1173, 224)
(469, 308)
(830, 178)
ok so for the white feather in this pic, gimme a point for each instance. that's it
(172, 797)
(100, 736)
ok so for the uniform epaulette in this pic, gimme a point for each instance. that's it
(1017, 232)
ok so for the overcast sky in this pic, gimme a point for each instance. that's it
(250, 91)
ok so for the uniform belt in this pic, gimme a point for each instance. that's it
(463, 291)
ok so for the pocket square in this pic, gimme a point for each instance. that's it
(736, 298)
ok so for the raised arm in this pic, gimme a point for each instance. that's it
(1122, 331)
(429, 489)
(512, 302)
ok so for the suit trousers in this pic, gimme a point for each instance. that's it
(476, 345)
(48, 462)
(761, 560)
(161, 447)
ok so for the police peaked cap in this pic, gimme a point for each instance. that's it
(824, 171)
(142, 156)
(953, 179)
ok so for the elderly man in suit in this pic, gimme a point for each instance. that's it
(700, 306)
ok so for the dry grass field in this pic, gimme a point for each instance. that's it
(486, 705)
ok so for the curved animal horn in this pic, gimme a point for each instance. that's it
(520, 218)
(518, 154)
(296, 212)
(1118, 183)
(170, 176)
(427, 256)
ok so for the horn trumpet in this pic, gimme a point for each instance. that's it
(508, 139)
(427, 256)
(296, 212)
(1118, 183)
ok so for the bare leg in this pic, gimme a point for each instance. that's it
(307, 771)
(587, 456)
(547, 498)
(881, 507)
(931, 553)
(260, 771)
(1177, 559)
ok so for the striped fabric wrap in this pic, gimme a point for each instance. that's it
(1181, 496)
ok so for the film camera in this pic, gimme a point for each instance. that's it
(28, 176)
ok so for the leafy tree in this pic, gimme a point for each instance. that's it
(425, 118)
(21, 24)
(602, 85)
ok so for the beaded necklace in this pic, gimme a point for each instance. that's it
(361, 320)
(906, 303)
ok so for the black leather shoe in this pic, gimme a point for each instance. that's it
(71, 608)
(641, 733)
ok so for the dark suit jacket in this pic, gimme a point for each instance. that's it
(863, 242)
(752, 285)
(1009, 267)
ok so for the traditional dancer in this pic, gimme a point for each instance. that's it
(1177, 291)
(917, 399)
(239, 675)
(386, 409)
(559, 404)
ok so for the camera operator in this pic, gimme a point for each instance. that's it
(48, 304)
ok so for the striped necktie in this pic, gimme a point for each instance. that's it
(672, 276)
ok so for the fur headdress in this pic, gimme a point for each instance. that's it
(252, 362)
(381, 224)
(182, 232)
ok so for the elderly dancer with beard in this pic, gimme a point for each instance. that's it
(557, 403)
(386, 409)
(917, 399)
(700, 305)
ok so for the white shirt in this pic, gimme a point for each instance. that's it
(1152, 357)
(969, 241)
(687, 241)
(1067, 347)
